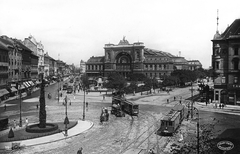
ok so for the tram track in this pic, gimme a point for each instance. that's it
(141, 138)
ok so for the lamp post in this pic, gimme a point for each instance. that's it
(198, 150)
(66, 121)
(84, 103)
(58, 88)
(20, 103)
(192, 99)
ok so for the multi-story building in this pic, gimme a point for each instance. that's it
(125, 58)
(180, 63)
(226, 64)
(60, 67)
(82, 66)
(15, 59)
(55, 67)
(34, 67)
(3, 70)
(26, 61)
(38, 49)
(194, 64)
(51, 67)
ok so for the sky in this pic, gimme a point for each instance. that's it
(72, 30)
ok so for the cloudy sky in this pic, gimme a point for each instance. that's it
(78, 29)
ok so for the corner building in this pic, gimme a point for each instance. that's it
(226, 65)
(125, 58)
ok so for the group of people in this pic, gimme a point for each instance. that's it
(221, 105)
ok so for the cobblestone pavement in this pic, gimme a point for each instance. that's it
(119, 133)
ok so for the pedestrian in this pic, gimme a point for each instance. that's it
(220, 105)
(103, 97)
(37, 106)
(5, 107)
(26, 121)
(174, 98)
(80, 151)
(151, 151)
(180, 102)
(206, 103)
(87, 105)
(14, 124)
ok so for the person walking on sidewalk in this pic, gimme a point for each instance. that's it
(14, 124)
(26, 121)
(80, 151)
(5, 107)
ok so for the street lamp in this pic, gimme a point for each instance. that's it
(192, 99)
(58, 88)
(66, 121)
(197, 130)
(20, 99)
(84, 103)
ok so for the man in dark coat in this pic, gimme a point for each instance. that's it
(80, 151)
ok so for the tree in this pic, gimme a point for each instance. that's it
(85, 82)
(136, 77)
(116, 81)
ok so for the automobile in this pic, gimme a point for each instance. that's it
(69, 89)
(65, 86)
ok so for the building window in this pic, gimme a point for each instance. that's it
(223, 79)
(217, 65)
(235, 79)
(236, 51)
(235, 62)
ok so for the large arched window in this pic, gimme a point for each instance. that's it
(235, 62)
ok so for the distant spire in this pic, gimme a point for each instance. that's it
(217, 20)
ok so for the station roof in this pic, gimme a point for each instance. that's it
(153, 52)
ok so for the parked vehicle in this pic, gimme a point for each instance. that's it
(65, 86)
(171, 121)
(69, 89)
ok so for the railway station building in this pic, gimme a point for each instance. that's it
(125, 58)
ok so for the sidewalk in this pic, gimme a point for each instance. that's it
(81, 127)
(228, 109)
(24, 94)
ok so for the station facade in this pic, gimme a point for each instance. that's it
(125, 58)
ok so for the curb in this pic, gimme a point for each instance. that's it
(7, 145)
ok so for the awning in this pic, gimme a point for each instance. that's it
(31, 83)
(13, 89)
(3, 92)
(25, 84)
(21, 87)
(38, 82)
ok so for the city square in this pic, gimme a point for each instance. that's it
(119, 77)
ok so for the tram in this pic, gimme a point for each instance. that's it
(120, 104)
(171, 121)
